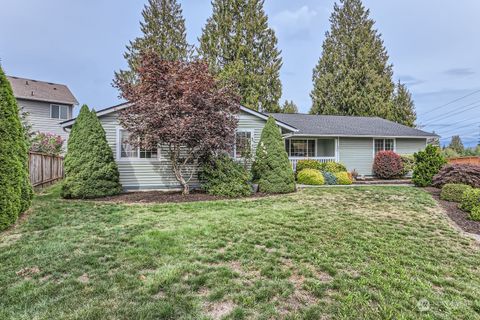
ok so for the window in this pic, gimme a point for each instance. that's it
(384, 145)
(129, 151)
(58, 112)
(243, 143)
(302, 148)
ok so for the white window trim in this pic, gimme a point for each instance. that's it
(302, 139)
(387, 138)
(252, 136)
(59, 113)
(118, 147)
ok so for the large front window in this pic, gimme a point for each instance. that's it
(129, 151)
(384, 145)
(243, 143)
(304, 148)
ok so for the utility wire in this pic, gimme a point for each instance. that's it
(454, 112)
(451, 114)
(453, 101)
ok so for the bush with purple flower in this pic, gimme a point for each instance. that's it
(48, 143)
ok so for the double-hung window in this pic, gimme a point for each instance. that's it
(384, 145)
(58, 112)
(127, 151)
(303, 148)
(243, 143)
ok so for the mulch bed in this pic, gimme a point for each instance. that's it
(168, 197)
(458, 216)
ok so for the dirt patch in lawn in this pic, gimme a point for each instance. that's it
(458, 216)
(168, 197)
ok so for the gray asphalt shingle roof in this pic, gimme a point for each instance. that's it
(41, 91)
(348, 126)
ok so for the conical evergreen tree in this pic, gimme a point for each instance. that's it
(272, 169)
(289, 107)
(403, 106)
(457, 144)
(164, 32)
(15, 189)
(90, 167)
(238, 44)
(353, 76)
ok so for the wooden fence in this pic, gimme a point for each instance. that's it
(44, 169)
(465, 160)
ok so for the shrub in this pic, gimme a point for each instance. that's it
(333, 167)
(475, 213)
(222, 176)
(387, 165)
(427, 164)
(90, 168)
(48, 143)
(15, 189)
(309, 164)
(272, 169)
(343, 178)
(470, 199)
(408, 162)
(310, 177)
(454, 192)
(329, 178)
(354, 174)
(458, 173)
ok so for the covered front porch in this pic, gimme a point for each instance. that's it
(323, 149)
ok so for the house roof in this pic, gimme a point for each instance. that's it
(41, 91)
(325, 125)
(69, 123)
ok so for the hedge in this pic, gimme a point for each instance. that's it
(310, 177)
(453, 192)
(309, 164)
(470, 199)
(343, 178)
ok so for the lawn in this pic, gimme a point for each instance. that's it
(327, 253)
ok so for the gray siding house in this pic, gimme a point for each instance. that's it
(352, 141)
(46, 103)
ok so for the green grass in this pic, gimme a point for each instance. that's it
(336, 253)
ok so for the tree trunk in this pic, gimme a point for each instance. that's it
(177, 170)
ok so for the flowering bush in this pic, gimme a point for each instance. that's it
(48, 143)
(387, 165)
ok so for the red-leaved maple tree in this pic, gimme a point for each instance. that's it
(182, 106)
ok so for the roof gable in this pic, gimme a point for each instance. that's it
(41, 91)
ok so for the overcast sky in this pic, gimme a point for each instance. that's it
(433, 45)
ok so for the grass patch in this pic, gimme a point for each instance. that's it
(370, 252)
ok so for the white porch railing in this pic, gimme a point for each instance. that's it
(294, 160)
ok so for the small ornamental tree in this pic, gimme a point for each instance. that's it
(182, 106)
(272, 169)
(387, 165)
(427, 164)
(15, 189)
(90, 168)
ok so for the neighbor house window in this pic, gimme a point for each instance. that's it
(129, 151)
(304, 148)
(384, 145)
(243, 143)
(58, 112)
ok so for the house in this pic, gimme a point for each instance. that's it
(352, 141)
(46, 103)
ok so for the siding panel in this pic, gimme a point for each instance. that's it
(357, 153)
(157, 174)
(409, 146)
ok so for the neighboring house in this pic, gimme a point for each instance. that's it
(47, 104)
(352, 141)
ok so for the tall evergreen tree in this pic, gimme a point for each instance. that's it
(164, 32)
(15, 189)
(403, 106)
(353, 76)
(457, 144)
(90, 168)
(289, 107)
(239, 45)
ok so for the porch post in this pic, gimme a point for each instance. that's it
(337, 149)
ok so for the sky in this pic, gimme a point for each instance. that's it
(433, 46)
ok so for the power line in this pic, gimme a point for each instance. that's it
(453, 101)
(451, 114)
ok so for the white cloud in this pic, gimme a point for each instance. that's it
(291, 22)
